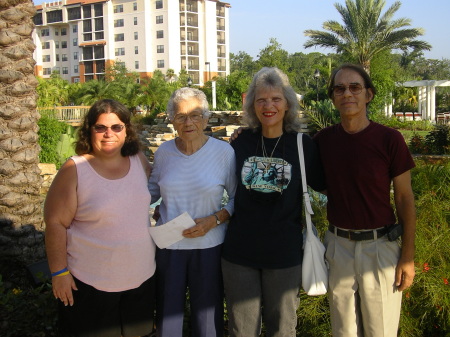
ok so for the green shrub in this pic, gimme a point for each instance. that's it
(29, 311)
(435, 142)
(50, 130)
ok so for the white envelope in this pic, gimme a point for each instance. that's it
(171, 232)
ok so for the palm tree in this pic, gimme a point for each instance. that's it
(366, 31)
(20, 201)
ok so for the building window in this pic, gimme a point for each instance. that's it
(98, 9)
(56, 70)
(160, 63)
(135, 21)
(159, 34)
(45, 32)
(46, 45)
(74, 28)
(63, 44)
(118, 23)
(75, 55)
(63, 31)
(45, 58)
(136, 49)
(118, 9)
(56, 44)
(87, 11)
(160, 48)
(87, 37)
(64, 57)
(135, 6)
(159, 19)
(56, 32)
(159, 4)
(99, 36)
(65, 70)
(47, 71)
(75, 69)
(74, 13)
(119, 37)
(120, 51)
(136, 35)
(75, 41)
(136, 64)
(57, 57)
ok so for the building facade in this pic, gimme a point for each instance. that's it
(81, 38)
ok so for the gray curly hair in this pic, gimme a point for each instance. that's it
(272, 78)
(185, 94)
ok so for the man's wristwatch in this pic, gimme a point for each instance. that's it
(217, 220)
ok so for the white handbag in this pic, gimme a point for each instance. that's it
(314, 267)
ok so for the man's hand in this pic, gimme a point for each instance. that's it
(404, 274)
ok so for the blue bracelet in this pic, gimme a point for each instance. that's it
(59, 272)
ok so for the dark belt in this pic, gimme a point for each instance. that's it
(358, 235)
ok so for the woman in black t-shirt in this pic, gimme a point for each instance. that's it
(262, 252)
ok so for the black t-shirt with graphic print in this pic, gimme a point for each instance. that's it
(265, 230)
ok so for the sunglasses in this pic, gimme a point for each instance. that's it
(355, 89)
(99, 128)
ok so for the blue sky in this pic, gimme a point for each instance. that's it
(254, 22)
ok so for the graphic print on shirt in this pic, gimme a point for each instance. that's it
(266, 175)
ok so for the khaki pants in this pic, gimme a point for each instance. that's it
(364, 300)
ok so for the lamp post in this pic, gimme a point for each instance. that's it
(316, 76)
(189, 81)
(208, 64)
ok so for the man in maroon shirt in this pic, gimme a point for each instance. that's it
(368, 268)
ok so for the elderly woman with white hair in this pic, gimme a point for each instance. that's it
(190, 174)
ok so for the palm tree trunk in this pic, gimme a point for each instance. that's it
(20, 201)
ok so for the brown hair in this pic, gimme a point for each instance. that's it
(368, 84)
(84, 144)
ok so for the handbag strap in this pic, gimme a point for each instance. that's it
(306, 198)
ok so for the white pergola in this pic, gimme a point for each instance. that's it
(426, 96)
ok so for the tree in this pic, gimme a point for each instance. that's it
(20, 201)
(273, 56)
(242, 62)
(366, 32)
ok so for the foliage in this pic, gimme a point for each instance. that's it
(366, 31)
(65, 146)
(322, 114)
(50, 130)
(28, 311)
(426, 305)
(436, 141)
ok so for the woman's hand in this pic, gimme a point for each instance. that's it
(203, 226)
(236, 133)
(62, 288)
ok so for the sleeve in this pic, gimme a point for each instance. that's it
(401, 159)
(230, 180)
(153, 186)
(314, 171)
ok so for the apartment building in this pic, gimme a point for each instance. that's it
(80, 38)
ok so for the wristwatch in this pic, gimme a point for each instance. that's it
(217, 220)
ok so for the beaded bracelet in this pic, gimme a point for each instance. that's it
(61, 272)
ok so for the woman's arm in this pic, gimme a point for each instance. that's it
(59, 210)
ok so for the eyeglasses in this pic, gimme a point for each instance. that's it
(99, 128)
(355, 89)
(181, 118)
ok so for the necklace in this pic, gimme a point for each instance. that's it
(263, 147)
